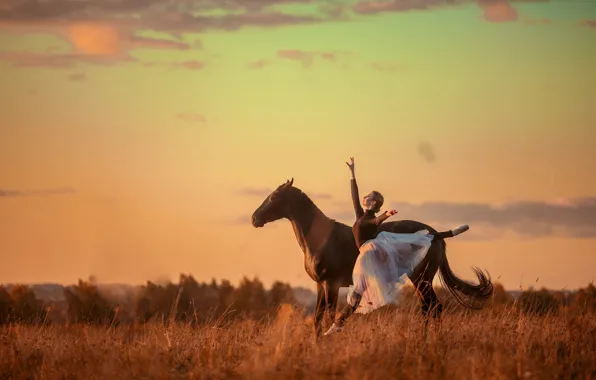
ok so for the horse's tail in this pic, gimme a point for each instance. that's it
(466, 293)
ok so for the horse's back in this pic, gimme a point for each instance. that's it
(405, 227)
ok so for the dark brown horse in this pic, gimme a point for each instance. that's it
(330, 253)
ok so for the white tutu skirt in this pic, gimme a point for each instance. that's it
(383, 265)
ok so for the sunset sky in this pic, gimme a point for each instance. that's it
(137, 136)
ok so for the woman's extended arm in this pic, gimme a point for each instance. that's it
(354, 187)
(384, 216)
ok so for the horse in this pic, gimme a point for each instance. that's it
(330, 252)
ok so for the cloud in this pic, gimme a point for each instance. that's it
(573, 218)
(498, 11)
(50, 9)
(58, 61)
(589, 23)
(494, 9)
(77, 77)
(159, 43)
(102, 27)
(95, 43)
(104, 38)
(386, 66)
(91, 42)
(197, 44)
(35, 193)
(191, 117)
(367, 7)
(172, 17)
(255, 192)
(537, 21)
(427, 151)
(95, 38)
(258, 64)
(189, 65)
(321, 196)
(306, 57)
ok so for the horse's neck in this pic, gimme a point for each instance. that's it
(312, 229)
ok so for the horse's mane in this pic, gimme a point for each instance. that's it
(305, 200)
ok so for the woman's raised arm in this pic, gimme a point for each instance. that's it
(354, 187)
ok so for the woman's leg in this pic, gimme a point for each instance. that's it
(349, 309)
(450, 233)
(346, 313)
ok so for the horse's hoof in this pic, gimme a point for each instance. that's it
(333, 330)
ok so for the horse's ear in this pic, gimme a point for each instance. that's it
(288, 184)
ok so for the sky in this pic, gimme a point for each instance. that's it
(138, 136)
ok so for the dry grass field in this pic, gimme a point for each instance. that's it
(490, 344)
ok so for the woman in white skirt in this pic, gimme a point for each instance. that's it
(385, 259)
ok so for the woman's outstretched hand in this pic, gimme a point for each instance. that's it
(351, 164)
(391, 212)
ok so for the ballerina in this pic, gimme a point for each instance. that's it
(385, 258)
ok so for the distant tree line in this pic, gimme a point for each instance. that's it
(187, 301)
(529, 302)
(193, 302)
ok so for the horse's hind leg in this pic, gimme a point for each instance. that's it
(429, 302)
(423, 280)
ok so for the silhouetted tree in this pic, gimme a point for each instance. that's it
(539, 302)
(156, 302)
(86, 305)
(501, 296)
(5, 306)
(279, 294)
(250, 299)
(26, 308)
(585, 299)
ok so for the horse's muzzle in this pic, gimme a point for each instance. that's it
(256, 222)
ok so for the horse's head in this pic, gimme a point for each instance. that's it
(275, 206)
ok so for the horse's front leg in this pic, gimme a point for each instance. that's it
(320, 309)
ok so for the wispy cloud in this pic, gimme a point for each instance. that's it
(367, 7)
(188, 65)
(77, 77)
(35, 193)
(108, 39)
(157, 43)
(427, 151)
(573, 218)
(386, 66)
(91, 42)
(254, 192)
(537, 21)
(588, 23)
(102, 27)
(307, 57)
(258, 64)
(264, 191)
(58, 61)
(498, 10)
(170, 17)
(191, 117)
(191, 65)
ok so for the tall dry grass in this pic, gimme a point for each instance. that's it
(388, 344)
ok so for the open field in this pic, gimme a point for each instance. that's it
(490, 344)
